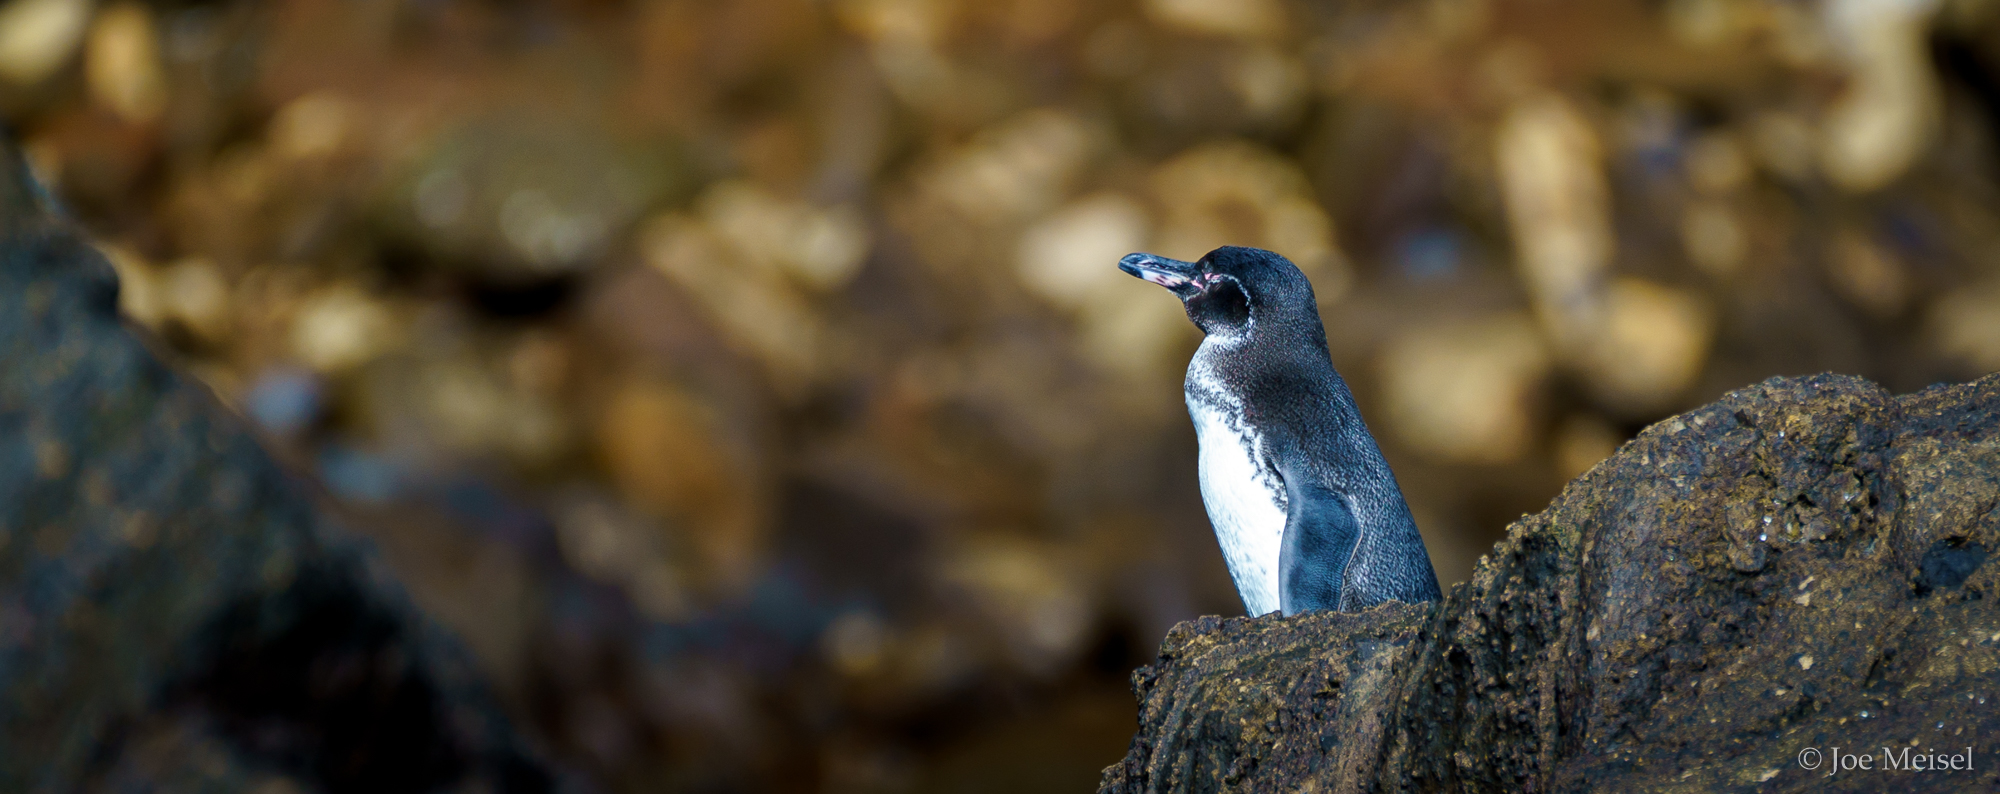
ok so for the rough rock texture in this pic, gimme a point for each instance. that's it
(174, 612)
(1802, 564)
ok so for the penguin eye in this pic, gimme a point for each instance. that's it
(1225, 303)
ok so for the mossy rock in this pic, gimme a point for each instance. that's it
(1801, 564)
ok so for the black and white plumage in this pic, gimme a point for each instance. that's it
(1307, 512)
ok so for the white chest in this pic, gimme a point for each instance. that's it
(1245, 503)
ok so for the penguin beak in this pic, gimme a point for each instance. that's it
(1170, 273)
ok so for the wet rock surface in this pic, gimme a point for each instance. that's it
(1801, 564)
(175, 612)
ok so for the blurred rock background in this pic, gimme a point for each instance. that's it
(751, 386)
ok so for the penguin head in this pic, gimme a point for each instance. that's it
(1233, 291)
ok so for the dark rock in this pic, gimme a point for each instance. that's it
(1798, 565)
(1947, 564)
(175, 613)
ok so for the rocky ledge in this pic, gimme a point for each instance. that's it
(1798, 567)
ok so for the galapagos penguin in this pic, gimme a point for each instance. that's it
(1307, 512)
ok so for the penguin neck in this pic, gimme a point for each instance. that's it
(1226, 367)
(1214, 378)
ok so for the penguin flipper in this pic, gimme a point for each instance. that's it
(1320, 535)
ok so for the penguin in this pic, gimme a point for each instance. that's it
(1306, 510)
